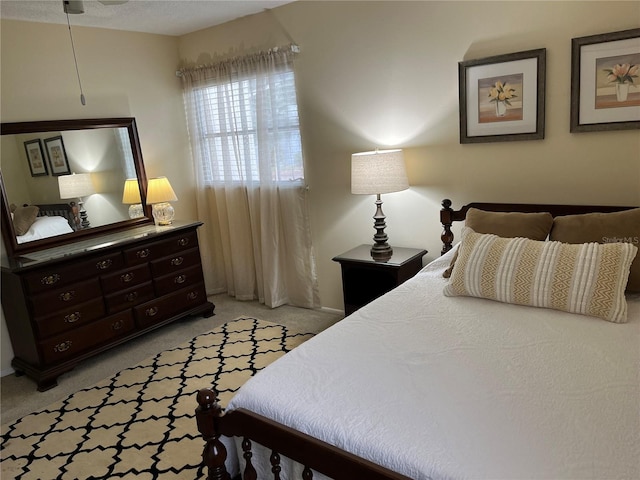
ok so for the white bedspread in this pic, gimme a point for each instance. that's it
(441, 387)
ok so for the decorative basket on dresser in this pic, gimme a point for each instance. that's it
(65, 304)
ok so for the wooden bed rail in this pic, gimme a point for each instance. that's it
(312, 453)
(448, 215)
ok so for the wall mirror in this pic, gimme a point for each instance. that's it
(72, 169)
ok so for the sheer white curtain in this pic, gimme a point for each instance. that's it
(251, 194)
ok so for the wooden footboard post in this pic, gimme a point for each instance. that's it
(208, 417)
(446, 220)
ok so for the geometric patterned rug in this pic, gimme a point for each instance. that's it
(140, 423)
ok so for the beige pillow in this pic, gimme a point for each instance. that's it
(587, 278)
(603, 228)
(535, 226)
(23, 218)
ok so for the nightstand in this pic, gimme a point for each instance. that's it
(364, 279)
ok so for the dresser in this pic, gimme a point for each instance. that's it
(65, 304)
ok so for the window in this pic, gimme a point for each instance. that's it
(250, 130)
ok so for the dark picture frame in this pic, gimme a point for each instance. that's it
(599, 64)
(57, 156)
(502, 98)
(36, 158)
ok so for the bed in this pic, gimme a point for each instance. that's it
(428, 383)
(35, 222)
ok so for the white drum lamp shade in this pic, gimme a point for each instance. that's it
(77, 185)
(378, 172)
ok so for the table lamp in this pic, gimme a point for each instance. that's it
(375, 173)
(131, 196)
(77, 186)
(159, 194)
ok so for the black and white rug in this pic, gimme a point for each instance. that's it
(140, 423)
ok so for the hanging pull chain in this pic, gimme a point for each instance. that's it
(82, 100)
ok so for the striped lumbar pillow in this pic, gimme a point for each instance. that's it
(587, 278)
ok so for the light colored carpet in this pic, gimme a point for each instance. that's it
(140, 422)
(18, 395)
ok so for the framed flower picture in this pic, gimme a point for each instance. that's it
(57, 156)
(502, 97)
(35, 157)
(605, 82)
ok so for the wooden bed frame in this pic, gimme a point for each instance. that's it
(312, 453)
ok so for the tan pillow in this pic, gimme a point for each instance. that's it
(603, 228)
(587, 278)
(23, 218)
(535, 226)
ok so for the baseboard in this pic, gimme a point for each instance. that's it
(8, 371)
(333, 311)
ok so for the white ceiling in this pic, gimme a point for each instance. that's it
(167, 17)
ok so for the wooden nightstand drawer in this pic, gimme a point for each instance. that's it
(73, 342)
(65, 298)
(129, 298)
(165, 307)
(56, 277)
(125, 278)
(70, 318)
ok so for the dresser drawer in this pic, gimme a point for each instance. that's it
(81, 339)
(125, 278)
(175, 262)
(129, 298)
(69, 318)
(167, 306)
(56, 277)
(175, 281)
(162, 248)
(65, 298)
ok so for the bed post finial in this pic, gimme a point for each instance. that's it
(208, 415)
(446, 220)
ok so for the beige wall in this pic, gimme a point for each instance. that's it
(369, 74)
(385, 74)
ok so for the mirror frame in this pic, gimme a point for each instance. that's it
(13, 248)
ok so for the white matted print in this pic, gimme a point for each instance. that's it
(502, 97)
(605, 86)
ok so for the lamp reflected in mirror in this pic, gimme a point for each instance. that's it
(159, 194)
(77, 186)
(131, 196)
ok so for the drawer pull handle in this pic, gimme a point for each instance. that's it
(130, 297)
(150, 312)
(192, 295)
(62, 347)
(104, 264)
(50, 279)
(180, 279)
(143, 253)
(183, 242)
(127, 277)
(72, 317)
(177, 261)
(66, 296)
(117, 325)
